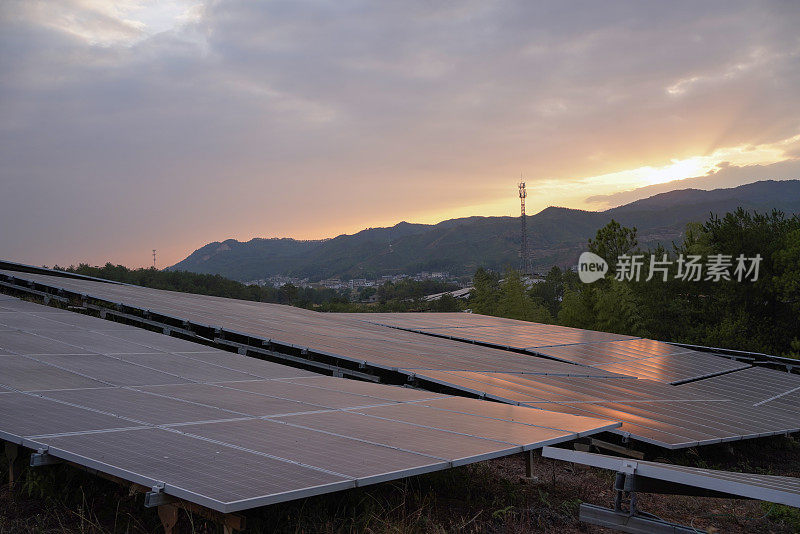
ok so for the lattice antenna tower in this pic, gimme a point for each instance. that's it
(154, 258)
(523, 249)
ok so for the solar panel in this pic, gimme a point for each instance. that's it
(626, 355)
(657, 413)
(755, 386)
(227, 431)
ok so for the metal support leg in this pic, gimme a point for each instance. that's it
(169, 517)
(623, 486)
(529, 464)
(14, 463)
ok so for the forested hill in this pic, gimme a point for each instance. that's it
(556, 237)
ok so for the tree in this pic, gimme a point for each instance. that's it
(616, 309)
(760, 315)
(577, 308)
(448, 303)
(612, 241)
(549, 292)
(485, 295)
(515, 303)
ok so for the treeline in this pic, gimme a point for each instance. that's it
(404, 295)
(761, 315)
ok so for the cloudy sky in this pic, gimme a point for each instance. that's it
(132, 125)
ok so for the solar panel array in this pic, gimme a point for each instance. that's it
(333, 334)
(650, 409)
(231, 432)
(642, 358)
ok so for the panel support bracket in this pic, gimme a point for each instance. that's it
(43, 457)
(157, 497)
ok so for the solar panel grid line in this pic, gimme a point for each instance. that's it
(425, 395)
(690, 418)
(139, 423)
(700, 416)
(548, 389)
(436, 404)
(33, 358)
(754, 385)
(590, 373)
(258, 453)
(94, 420)
(679, 428)
(34, 437)
(86, 351)
(171, 397)
(516, 389)
(419, 425)
(197, 497)
(610, 353)
(174, 398)
(361, 465)
(370, 442)
(455, 458)
(778, 396)
(733, 413)
(506, 420)
(557, 436)
(441, 378)
(255, 391)
(548, 386)
(641, 428)
(18, 374)
(268, 418)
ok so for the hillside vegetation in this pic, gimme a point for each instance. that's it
(460, 246)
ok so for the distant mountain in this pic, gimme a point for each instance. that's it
(556, 237)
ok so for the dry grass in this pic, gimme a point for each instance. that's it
(489, 497)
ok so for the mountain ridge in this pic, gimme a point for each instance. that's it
(556, 236)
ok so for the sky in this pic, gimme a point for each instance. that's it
(131, 125)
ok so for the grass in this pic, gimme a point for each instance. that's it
(488, 497)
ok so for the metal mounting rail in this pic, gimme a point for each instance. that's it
(637, 476)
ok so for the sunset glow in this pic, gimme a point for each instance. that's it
(134, 125)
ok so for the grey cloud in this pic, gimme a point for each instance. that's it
(270, 118)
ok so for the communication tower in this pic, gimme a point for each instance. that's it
(524, 255)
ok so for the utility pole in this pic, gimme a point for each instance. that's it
(154, 258)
